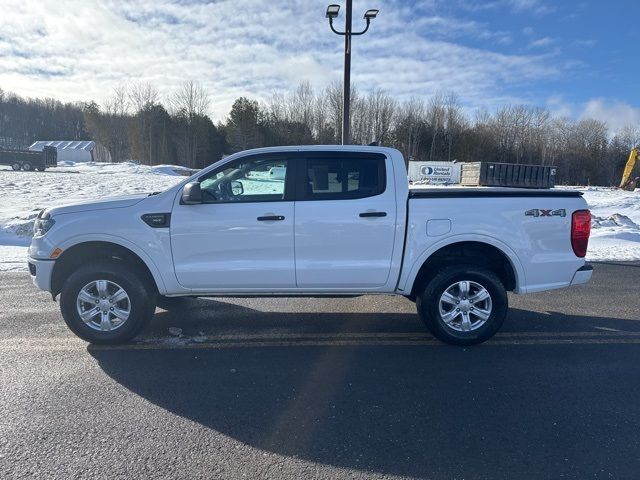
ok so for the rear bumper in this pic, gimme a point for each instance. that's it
(40, 271)
(582, 275)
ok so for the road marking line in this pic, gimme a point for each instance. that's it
(320, 335)
(607, 329)
(364, 343)
(311, 343)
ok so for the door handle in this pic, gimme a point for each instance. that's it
(373, 214)
(271, 218)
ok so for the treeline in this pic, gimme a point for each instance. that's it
(135, 124)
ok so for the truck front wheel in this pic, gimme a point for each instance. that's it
(463, 305)
(106, 303)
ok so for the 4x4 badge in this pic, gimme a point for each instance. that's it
(534, 212)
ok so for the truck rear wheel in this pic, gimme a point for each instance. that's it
(16, 166)
(106, 303)
(27, 167)
(463, 305)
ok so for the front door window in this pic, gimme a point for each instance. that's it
(253, 180)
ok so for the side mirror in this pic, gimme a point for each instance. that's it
(191, 194)
(237, 188)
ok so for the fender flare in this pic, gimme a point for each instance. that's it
(123, 242)
(407, 280)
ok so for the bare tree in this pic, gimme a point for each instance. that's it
(189, 103)
(629, 136)
(409, 122)
(142, 95)
(333, 95)
(190, 100)
(119, 101)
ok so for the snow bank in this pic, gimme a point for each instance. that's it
(173, 170)
(617, 236)
(616, 213)
(615, 225)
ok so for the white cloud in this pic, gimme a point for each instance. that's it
(614, 113)
(558, 107)
(541, 42)
(536, 6)
(81, 49)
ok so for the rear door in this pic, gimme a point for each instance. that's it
(345, 218)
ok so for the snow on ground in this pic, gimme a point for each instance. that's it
(615, 225)
(616, 213)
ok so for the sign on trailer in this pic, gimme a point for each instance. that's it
(434, 173)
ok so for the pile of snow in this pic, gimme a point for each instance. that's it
(616, 213)
(616, 237)
(615, 225)
(173, 170)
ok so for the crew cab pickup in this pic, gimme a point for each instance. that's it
(310, 221)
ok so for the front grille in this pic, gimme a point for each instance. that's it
(32, 269)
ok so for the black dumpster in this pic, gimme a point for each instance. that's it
(492, 174)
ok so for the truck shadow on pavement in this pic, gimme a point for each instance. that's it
(215, 317)
(416, 411)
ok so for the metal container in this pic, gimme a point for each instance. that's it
(491, 174)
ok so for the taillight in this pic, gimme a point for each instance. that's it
(580, 230)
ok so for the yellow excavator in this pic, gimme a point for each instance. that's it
(627, 182)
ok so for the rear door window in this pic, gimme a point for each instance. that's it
(335, 177)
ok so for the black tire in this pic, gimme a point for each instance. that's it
(428, 305)
(172, 303)
(40, 169)
(16, 166)
(141, 297)
(27, 167)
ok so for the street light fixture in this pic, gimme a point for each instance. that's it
(332, 12)
(371, 14)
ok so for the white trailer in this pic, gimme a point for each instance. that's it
(434, 173)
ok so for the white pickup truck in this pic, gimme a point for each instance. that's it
(310, 221)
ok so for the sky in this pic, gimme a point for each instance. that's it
(576, 58)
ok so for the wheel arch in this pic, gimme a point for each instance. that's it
(480, 251)
(87, 250)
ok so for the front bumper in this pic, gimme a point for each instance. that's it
(582, 275)
(40, 271)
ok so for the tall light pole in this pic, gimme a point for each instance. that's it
(332, 12)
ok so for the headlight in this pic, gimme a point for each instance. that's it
(43, 224)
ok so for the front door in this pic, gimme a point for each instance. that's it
(345, 221)
(241, 236)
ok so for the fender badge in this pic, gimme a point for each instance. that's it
(534, 212)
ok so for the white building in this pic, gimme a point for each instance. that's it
(75, 151)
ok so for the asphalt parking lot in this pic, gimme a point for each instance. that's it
(331, 388)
